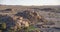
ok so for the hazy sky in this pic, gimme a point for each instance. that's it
(30, 2)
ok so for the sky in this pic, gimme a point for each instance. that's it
(30, 2)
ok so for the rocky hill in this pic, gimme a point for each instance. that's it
(29, 18)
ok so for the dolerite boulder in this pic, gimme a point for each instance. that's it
(33, 16)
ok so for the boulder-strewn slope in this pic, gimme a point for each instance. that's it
(21, 19)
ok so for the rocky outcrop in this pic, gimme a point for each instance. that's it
(31, 15)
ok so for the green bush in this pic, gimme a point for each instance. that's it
(30, 28)
(2, 25)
